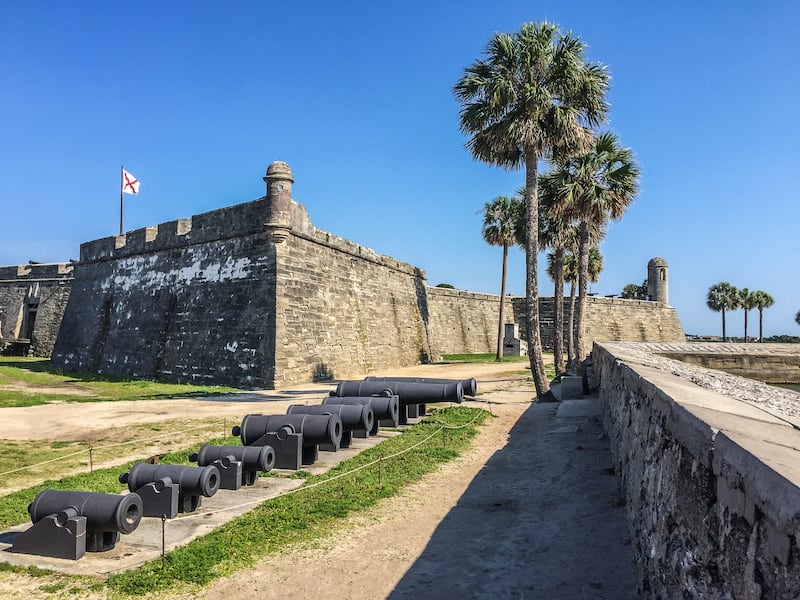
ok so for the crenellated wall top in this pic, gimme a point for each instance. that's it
(36, 272)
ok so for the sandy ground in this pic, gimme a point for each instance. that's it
(529, 511)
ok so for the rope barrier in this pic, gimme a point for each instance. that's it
(378, 461)
(43, 462)
(95, 448)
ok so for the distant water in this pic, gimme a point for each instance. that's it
(795, 387)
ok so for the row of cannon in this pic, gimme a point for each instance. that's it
(67, 524)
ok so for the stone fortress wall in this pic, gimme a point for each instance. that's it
(188, 300)
(32, 302)
(254, 295)
(709, 469)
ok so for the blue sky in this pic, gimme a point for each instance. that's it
(196, 99)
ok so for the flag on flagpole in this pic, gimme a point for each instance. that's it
(130, 185)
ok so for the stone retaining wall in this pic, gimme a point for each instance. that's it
(770, 367)
(710, 468)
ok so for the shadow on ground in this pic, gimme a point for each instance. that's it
(543, 519)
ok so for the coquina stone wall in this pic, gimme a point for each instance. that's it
(343, 309)
(465, 322)
(609, 320)
(189, 300)
(710, 470)
(32, 302)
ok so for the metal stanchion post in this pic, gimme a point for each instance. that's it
(163, 538)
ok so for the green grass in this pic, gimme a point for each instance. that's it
(24, 463)
(481, 358)
(309, 512)
(84, 387)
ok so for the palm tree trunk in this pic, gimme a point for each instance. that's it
(760, 324)
(571, 324)
(724, 337)
(583, 276)
(558, 311)
(531, 285)
(745, 325)
(502, 305)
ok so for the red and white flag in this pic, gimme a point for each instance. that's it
(130, 185)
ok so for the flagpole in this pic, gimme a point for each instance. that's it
(121, 183)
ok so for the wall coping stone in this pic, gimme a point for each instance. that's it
(748, 429)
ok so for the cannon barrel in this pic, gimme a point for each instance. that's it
(354, 417)
(383, 407)
(316, 429)
(470, 385)
(103, 512)
(193, 481)
(253, 458)
(409, 392)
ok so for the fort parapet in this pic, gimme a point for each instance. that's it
(709, 467)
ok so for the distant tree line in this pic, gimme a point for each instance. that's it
(723, 297)
(635, 292)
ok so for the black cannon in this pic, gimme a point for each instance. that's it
(386, 408)
(470, 385)
(167, 490)
(295, 438)
(413, 396)
(238, 465)
(69, 524)
(354, 418)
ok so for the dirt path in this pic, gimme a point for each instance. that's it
(530, 511)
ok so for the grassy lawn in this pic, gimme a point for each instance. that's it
(488, 357)
(32, 381)
(549, 369)
(23, 463)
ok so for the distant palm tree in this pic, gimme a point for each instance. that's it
(532, 96)
(762, 300)
(747, 302)
(593, 188)
(721, 297)
(501, 222)
(797, 317)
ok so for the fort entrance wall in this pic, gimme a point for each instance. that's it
(32, 302)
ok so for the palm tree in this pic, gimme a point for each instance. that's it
(558, 234)
(721, 297)
(747, 302)
(635, 292)
(501, 222)
(593, 187)
(532, 96)
(571, 276)
(761, 301)
(796, 318)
